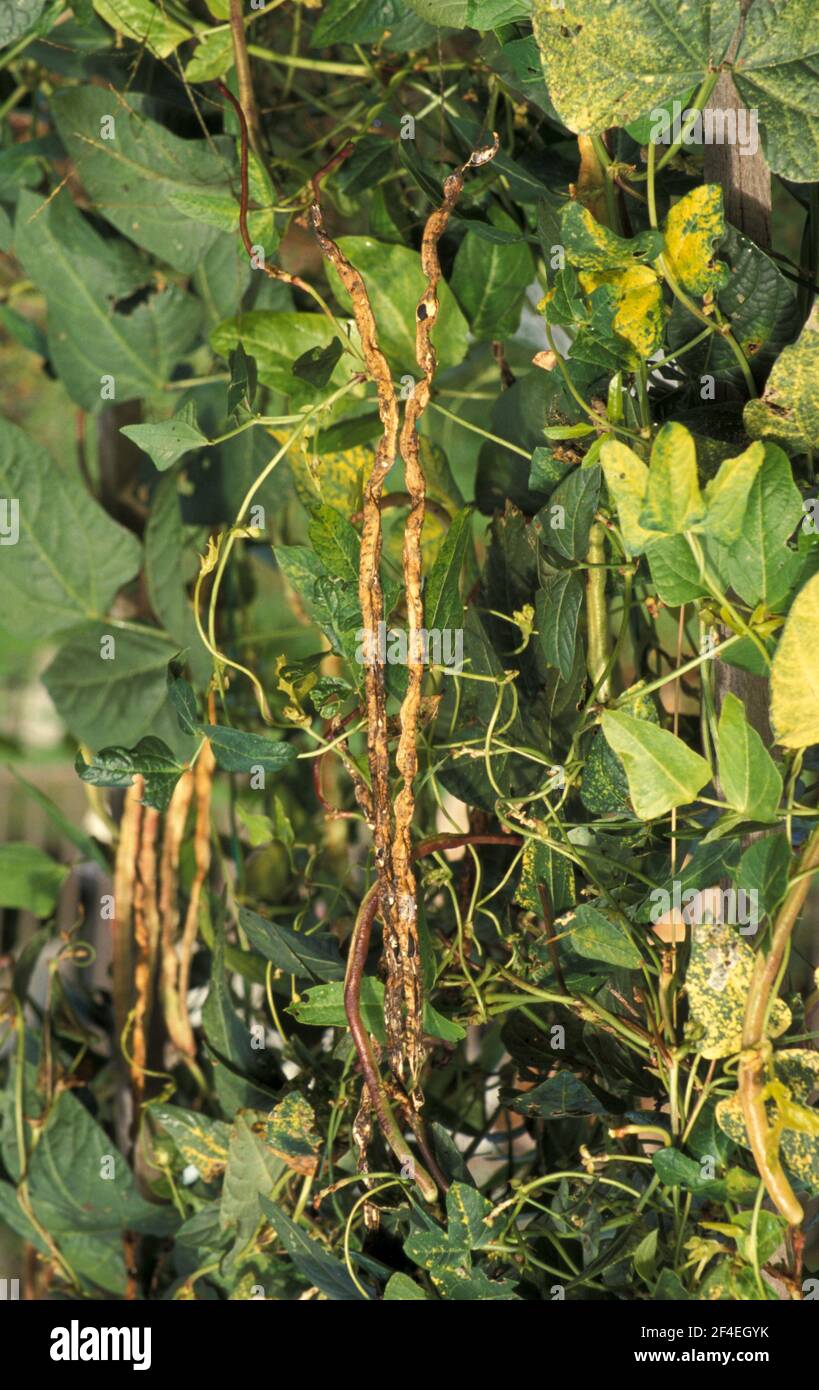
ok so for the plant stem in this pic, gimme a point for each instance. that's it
(753, 1058)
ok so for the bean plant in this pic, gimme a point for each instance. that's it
(423, 570)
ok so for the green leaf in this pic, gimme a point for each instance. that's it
(564, 523)
(70, 558)
(764, 869)
(317, 364)
(213, 56)
(237, 751)
(490, 281)
(795, 673)
(606, 65)
(311, 1259)
(226, 1034)
(118, 701)
(676, 1169)
(788, 410)
(144, 21)
(401, 1287)
(674, 570)
(252, 1171)
(759, 564)
(305, 955)
(749, 777)
(168, 440)
(29, 879)
(134, 177)
(18, 18)
(276, 340)
(761, 305)
(561, 1096)
(443, 605)
(662, 771)
(391, 22)
(673, 503)
(336, 543)
(323, 1007)
(164, 547)
(243, 379)
(557, 609)
(596, 937)
(117, 767)
(181, 696)
(726, 495)
(97, 341)
(79, 1181)
(395, 283)
(444, 14)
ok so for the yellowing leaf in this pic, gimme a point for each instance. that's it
(334, 478)
(638, 304)
(726, 495)
(693, 228)
(673, 503)
(795, 673)
(591, 246)
(627, 479)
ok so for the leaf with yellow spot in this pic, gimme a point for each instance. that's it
(717, 982)
(797, 1069)
(634, 297)
(289, 1131)
(606, 62)
(591, 246)
(336, 479)
(693, 229)
(200, 1140)
(795, 673)
(788, 410)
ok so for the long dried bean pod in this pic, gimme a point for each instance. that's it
(403, 1004)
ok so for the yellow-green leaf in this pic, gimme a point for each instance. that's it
(750, 780)
(627, 479)
(144, 21)
(662, 771)
(726, 495)
(795, 673)
(673, 502)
